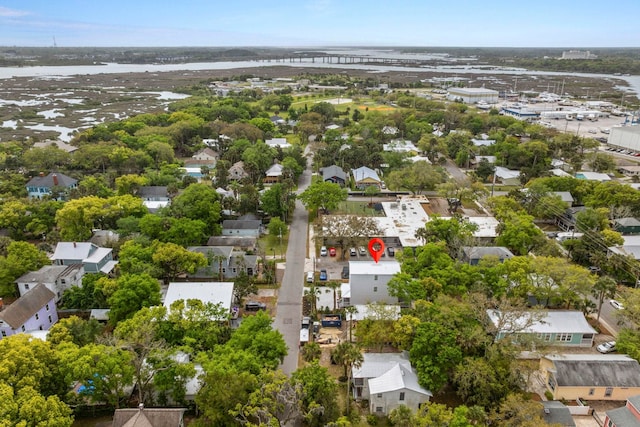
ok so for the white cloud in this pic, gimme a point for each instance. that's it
(12, 13)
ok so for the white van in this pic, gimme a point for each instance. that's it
(561, 237)
(310, 277)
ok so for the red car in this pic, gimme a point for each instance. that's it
(332, 251)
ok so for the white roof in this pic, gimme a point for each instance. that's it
(364, 172)
(274, 170)
(370, 311)
(589, 356)
(403, 218)
(152, 204)
(400, 146)
(345, 290)
(487, 226)
(555, 321)
(278, 142)
(72, 250)
(213, 292)
(504, 173)
(399, 377)
(109, 265)
(371, 268)
(482, 142)
(593, 176)
(559, 172)
(376, 364)
(41, 335)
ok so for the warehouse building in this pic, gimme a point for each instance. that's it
(472, 95)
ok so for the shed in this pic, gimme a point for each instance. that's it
(627, 225)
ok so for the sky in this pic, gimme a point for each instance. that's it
(308, 23)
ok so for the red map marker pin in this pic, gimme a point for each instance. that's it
(376, 248)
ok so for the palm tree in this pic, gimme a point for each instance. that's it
(351, 310)
(349, 356)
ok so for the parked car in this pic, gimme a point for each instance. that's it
(323, 251)
(363, 251)
(255, 306)
(323, 274)
(391, 251)
(310, 277)
(616, 304)
(607, 347)
(345, 272)
(353, 252)
(332, 251)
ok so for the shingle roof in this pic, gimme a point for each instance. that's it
(233, 224)
(153, 190)
(627, 222)
(557, 413)
(48, 181)
(333, 171)
(597, 371)
(148, 417)
(477, 252)
(623, 417)
(26, 306)
(48, 273)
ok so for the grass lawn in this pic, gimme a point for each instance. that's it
(270, 243)
(356, 208)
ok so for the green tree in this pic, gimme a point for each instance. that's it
(174, 260)
(133, 292)
(21, 258)
(604, 287)
(319, 393)
(28, 408)
(105, 371)
(520, 234)
(323, 194)
(311, 351)
(199, 202)
(76, 330)
(417, 177)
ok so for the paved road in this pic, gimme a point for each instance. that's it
(289, 307)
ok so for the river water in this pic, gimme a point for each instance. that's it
(113, 68)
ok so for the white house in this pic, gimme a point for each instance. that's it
(57, 278)
(368, 282)
(507, 176)
(207, 292)
(35, 311)
(400, 146)
(278, 142)
(387, 380)
(207, 155)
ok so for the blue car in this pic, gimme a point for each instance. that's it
(323, 274)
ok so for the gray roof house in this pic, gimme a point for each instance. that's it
(34, 311)
(224, 262)
(243, 243)
(148, 417)
(591, 376)
(57, 278)
(240, 227)
(626, 416)
(556, 327)
(387, 380)
(473, 254)
(42, 186)
(94, 258)
(627, 225)
(334, 174)
(557, 413)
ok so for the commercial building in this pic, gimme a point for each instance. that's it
(472, 95)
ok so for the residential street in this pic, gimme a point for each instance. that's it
(289, 307)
